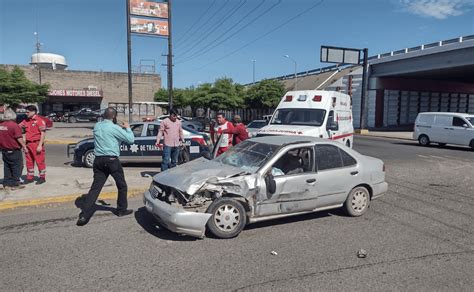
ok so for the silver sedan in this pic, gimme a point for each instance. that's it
(261, 179)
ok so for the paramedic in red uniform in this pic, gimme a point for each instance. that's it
(239, 131)
(34, 128)
(218, 130)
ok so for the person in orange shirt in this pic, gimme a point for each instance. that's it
(34, 128)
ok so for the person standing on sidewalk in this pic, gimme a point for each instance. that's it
(107, 139)
(11, 143)
(172, 134)
(239, 131)
(218, 131)
(35, 129)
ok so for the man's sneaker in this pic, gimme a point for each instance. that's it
(121, 213)
(41, 181)
(83, 219)
(27, 181)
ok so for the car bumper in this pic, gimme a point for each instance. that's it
(176, 219)
(379, 190)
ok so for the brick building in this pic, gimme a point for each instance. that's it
(71, 90)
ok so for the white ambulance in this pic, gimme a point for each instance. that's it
(315, 113)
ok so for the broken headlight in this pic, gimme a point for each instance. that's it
(155, 190)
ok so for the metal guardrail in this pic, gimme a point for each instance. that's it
(379, 56)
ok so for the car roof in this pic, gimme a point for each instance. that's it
(446, 114)
(284, 140)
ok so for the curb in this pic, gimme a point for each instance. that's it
(60, 142)
(63, 199)
(387, 137)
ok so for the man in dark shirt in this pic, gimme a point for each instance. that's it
(11, 143)
(239, 130)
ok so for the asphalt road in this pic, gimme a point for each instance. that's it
(419, 236)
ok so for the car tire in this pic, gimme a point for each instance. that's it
(183, 156)
(424, 140)
(228, 218)
(89, 158)
(358, 201)
(72, 120)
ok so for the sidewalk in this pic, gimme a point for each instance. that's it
(388, 134)
(68, 135)
(65, 184)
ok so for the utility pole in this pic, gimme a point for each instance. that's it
(170, 59)
(38, 49)
(129, 59)
(363, 97)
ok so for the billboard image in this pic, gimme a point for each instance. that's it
(150, 9)
(149, 26)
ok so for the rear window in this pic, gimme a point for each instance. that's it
(299, 116)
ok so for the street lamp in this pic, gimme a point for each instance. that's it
(253, 61)
(296, 77)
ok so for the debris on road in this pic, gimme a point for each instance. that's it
(274, 252)
(362, 253)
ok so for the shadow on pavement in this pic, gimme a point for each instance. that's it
(149, 224)
(436, 146)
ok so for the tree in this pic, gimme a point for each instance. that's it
(15, 88)
(224, 95)
(265, 94)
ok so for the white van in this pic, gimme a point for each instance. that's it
(315, 113)
(444, 128)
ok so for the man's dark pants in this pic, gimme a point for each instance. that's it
(12, 167)
(170, 157)
(103, 167)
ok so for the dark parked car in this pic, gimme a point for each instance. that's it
(84, 115)
(144, 149)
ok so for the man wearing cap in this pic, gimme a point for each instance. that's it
(11, 143)
(239, 131)
(34, 128)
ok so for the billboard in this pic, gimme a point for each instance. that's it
(340, 55)
(150, 9)
(149, 26)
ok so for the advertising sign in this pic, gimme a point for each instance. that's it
(150, 9)
(340, 55)
(75, 92)
(149, 26)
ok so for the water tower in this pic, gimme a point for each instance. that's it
(48, 61)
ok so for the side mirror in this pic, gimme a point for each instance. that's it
(270, 183)
(465, 126)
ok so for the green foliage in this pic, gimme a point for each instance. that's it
(15, 88)
(224, 94)
(265, 94)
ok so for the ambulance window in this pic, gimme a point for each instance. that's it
(328, 157)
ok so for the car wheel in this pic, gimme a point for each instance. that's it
(183, 156)
(424, 140)
(348, 143)
(72, 120)
(89, 158)
(357, 202)
(228, 218)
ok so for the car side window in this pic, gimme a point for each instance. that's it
(152, 130)
(137, 130)
(294, 161)
(458, 122)
(328, 157)
(347, 160)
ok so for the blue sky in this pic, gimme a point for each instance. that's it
(91, 34)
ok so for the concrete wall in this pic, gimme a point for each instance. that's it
(114, 85)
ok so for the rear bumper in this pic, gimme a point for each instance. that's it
(175, 219)
(379, 190)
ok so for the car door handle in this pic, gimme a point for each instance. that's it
(311, 180)
(354, 173)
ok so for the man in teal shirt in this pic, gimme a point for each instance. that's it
(107, 139)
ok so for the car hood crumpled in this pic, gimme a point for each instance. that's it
(191, 176)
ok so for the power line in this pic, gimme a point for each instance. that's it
(196, 22)
(203, 51)
(263, 35)
(217, 25)
(205, 23)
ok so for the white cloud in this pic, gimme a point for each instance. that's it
(439, 9)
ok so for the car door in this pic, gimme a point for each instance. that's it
(133, 152)
(337, 173)
(461, 131)
(441, 129)
(147, 143)
(295, 183)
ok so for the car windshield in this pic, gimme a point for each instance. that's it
(257, 124)
(248, 155)
(299, 116)
(470, 120)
